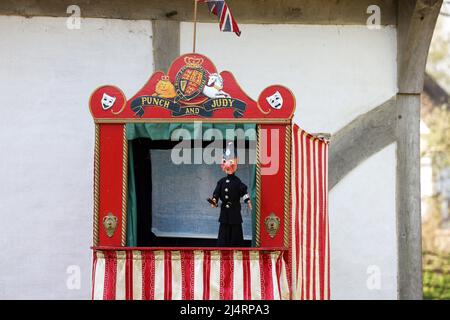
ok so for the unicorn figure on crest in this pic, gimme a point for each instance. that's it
(213, 89)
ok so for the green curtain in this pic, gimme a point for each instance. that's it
(164, 131)
(131, 206)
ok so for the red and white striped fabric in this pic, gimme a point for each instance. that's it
(189, 275)
(310, 249)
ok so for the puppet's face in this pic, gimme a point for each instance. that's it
(229, 166)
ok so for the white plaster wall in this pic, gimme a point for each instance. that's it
(47, 73)
(362, 231)
(336, 74)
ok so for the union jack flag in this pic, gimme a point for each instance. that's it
(221, 10)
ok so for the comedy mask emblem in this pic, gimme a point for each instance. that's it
(275, 100)
(110, 224)
(107, 101)
(272, 223)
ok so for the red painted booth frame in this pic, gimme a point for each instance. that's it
(192, 90)
(111, 145)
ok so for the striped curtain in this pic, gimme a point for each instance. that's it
(310, 249)
(189, 275)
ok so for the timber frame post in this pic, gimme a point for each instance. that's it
(415, 25)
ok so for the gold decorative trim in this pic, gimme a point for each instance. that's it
(124, 186)
(96, 184)
(110, 224)
(287, 184)
(258, 189)
(204, 120)
(272, 223)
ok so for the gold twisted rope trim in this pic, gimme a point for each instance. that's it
(258, 189)
(96, 184)
(124, 186)
(287, 184)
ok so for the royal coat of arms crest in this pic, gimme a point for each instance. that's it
(192, 87)
(191, 79)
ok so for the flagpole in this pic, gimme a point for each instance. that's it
(195, 24)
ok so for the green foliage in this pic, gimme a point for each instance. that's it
(436, 276)
(438, 63)
(438, 140)
(435, 260)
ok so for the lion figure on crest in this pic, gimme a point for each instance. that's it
(213, 89)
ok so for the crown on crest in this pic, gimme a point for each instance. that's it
(193, 62)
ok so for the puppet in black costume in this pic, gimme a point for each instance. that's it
(229, 191)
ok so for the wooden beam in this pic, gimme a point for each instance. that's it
(166, 43)
(245, 11)
(360, 139)
(416, 22)
(408, 200)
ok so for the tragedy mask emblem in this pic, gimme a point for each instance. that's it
(275, 100)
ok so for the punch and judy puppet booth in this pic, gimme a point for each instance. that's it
(154, 232)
